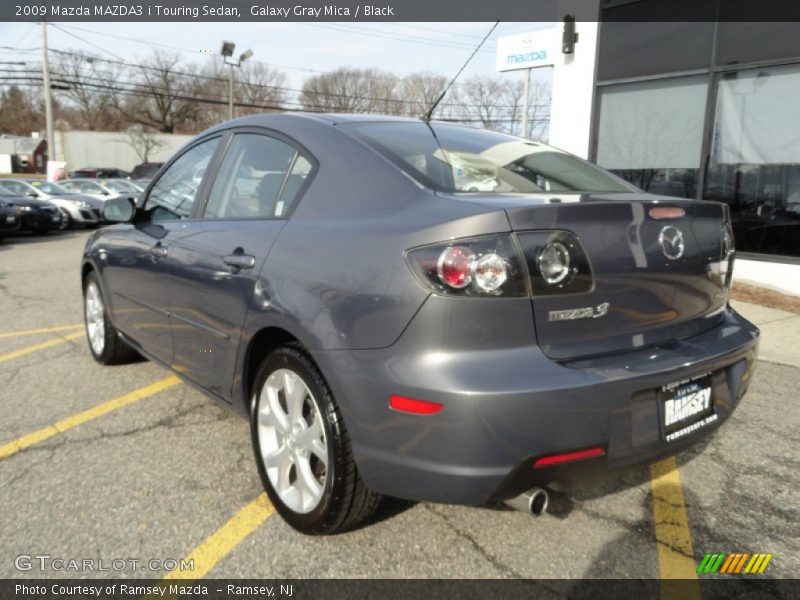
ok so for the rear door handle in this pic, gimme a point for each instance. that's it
(158, 251)
(240, 261)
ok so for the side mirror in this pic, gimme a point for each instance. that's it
(104, 193)
(119, 210)
(33, 195)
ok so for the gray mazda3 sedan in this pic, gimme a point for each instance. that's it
(422, 310)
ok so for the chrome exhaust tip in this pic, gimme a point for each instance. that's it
(534, 502)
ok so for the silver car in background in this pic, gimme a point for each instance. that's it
(77, 210)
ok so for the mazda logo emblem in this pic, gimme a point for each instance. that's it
(671, 240)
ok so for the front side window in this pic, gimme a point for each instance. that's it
(174, 193)
(49, 188)
(461, 159)
(255, 179)
(84, 187)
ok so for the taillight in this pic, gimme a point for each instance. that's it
(556, 262)
(727, 251)
(481, 266)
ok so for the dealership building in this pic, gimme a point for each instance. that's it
(701, 109)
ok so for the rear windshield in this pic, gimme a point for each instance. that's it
(452, 158)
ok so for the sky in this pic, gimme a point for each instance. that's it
(299, 49)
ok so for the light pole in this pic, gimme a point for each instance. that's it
(227, 52)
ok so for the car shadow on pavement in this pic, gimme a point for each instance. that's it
(389, 508)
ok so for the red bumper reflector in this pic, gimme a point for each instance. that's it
(558, 459)
(666, 212)
(414, 407)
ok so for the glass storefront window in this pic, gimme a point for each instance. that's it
(755, 157)
(651, 133)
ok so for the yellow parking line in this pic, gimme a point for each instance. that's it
(226, 538)
(675, 552)
(37, 347)
(9, 334)
(63, 425)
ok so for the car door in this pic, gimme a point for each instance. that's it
(216, 261)
(136, 269)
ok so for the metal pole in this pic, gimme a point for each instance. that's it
(526, 102)
(230, 92)
(48, 102)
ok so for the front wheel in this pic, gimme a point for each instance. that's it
(66, 221)
(302, 448)
(104, 341)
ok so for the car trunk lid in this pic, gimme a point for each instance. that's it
(645, 288)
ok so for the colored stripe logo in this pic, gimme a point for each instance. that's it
(734, 563)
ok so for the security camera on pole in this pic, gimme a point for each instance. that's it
(227, 52)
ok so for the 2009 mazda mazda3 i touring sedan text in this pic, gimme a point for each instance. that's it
(421, 310)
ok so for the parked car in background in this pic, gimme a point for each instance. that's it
(146, 170)
(76, 209)
(124, 186)
(10, 218)
(38, 216)
(97, 188)
(99, 173)
(142, 183)
(387, 331)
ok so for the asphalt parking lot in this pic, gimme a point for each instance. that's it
(165, 473)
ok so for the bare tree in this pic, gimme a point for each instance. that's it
(20, 112)
(351, 90)
(479, 97)
(164, 94)
(420, 91)
(89, 88)
(262, 86)
(143, 140)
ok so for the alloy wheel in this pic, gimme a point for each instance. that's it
(291, 439)
(95, 318)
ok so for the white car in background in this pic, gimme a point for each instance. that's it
(126, 185)
(102, 189)
(75, 209)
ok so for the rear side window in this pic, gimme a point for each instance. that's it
(259, 178)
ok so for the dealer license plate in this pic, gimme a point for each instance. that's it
(687, 406)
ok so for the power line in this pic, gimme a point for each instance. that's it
(198, 76)
(387, 35)
(79, 38)
(35, 82)
(178, 48)
(429, 114)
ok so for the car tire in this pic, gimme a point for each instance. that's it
(336, 499)
(105, 344)
(66, 221)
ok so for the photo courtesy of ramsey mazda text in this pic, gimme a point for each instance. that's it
(411, 308)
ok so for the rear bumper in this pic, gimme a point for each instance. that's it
(505, 407)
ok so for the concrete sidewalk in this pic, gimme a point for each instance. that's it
(780, 332)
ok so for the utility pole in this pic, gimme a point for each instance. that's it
(48, 101)
(230, 91)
